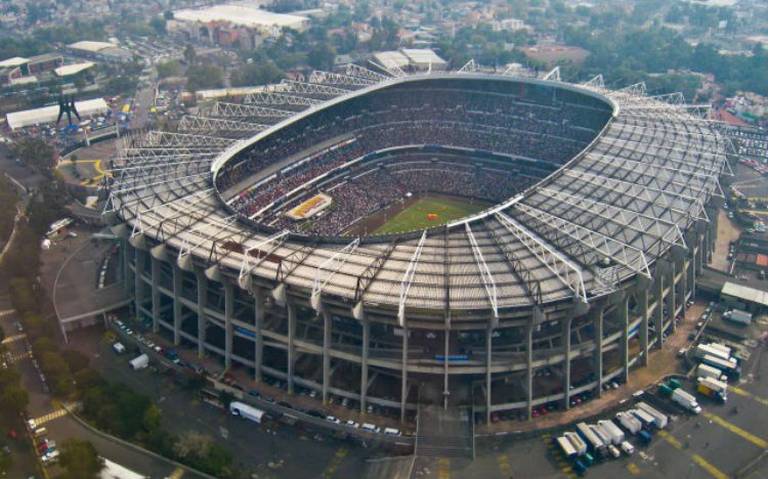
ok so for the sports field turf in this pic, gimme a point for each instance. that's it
(416, 216)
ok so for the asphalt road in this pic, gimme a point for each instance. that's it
(718, 444)
(65, 427)
(270, 450)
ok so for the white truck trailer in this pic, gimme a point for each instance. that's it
(139, 362)
(577, 442)
(566, 447)
(646, 419)
(629, 422)
(612, 430)
(707, 371)
(246, 411)
(687, 400)
(660, 418)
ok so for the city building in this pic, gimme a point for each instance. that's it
(233, 24)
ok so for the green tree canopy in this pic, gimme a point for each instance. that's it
(79, 460)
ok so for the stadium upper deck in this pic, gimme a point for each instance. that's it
(594, 257)
(602, 219)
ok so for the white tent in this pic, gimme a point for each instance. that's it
(48, 114)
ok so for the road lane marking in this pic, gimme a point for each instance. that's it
(56, 413)
(745, 393)
(562, 463)
(16, 357)
(335, 462)
(50, 416)
(177, 473)
(504, 467)
(443, 468)
(671, 439)
(757, 441)
(697, 459)
(712, 470)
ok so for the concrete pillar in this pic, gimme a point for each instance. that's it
(291, 351)
(176, 305)
(138, 288)
(598, 353)
(404, 376)
(623, 308)
(692, 269)
(202, 323)
(566, 335)
(364, 365)
(672, 296)
(684, 285)
(643, 299)
(125, 264)
(258, 343)
(326, 355)
(659, 309)
(446, 353)
(488, 365)
(155, 271)
(229, 313)
(529, 365)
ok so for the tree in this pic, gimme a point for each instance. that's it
(260, 73)
(321, 56)
(14, 399)
(190, 55)
(151, 420)
(158, 25)
(79, 460)
(169, 69)
(201, 77)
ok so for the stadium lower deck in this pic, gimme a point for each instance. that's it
(602, 219)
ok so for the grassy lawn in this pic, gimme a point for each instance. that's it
(417, 216)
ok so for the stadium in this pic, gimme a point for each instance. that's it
(459, 238)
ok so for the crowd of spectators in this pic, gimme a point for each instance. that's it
(374, 187)
(543, 128)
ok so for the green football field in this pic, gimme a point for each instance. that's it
(416, 216)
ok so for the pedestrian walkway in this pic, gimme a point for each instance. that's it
(16, 357)
(39, 421)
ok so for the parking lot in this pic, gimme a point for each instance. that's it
(272, 449)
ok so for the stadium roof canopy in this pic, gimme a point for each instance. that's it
(92, 47)
(13, 62)
(596, 223)
(240, 15)
(391, 59)
(73, 69)
(423, 56)
(48, 114)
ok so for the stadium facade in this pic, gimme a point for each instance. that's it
(554, 291)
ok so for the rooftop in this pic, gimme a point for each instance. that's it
(240, 15)
(73, 69)
(89, 46)
(746, 293)
(13, 62)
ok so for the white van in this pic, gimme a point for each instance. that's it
(391, 431)
(370, 427)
